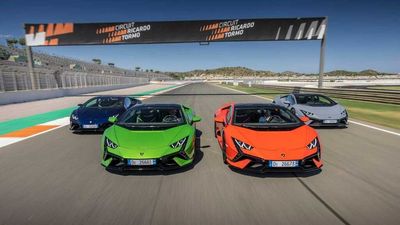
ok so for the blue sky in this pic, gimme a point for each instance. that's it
(361, 34)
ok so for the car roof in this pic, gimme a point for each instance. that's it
(160, 105)
(306, 94)
(113, 96)
(250, 105)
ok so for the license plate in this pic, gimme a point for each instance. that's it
(283, 163)
(330, 121)
(141, 162)
(91, 126)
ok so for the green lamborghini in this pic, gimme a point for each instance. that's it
(150, 137)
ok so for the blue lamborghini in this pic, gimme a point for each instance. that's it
(93, 114)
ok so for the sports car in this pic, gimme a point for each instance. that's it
(266, 138)
(322, 110)
(93, 114)
(150, 137)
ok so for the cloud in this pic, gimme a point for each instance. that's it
(5, 36)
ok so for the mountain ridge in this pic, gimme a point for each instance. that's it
(239, 71)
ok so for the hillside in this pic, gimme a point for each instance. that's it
(244, 72)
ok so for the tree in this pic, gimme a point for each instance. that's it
(11, 42)
(97, 61)
(22, 41)
(21, 58)
(4, 54)
(111, 64)
(147, 70)
(151, 70)
(137, 68)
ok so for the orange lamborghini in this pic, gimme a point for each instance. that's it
(266, 137)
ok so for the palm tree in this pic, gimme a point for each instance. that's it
(22, 41)
(11, 42)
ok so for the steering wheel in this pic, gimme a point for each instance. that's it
(274, 117)
(170, 119)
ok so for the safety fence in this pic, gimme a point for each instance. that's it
(16, 78)
(382, 96)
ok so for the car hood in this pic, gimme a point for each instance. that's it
(97, 114)
(275, 140)
(149, 139)
(147, 143)
(324, 112)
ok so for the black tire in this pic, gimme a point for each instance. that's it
(77, 132)
(215, 129)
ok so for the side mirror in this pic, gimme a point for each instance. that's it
(80, 105)
(286, 102)
(305, 119)
(219, 119)
(112, 119)
(196, 119)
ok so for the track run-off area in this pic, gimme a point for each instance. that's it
(56, 178)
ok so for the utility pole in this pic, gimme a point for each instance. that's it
(321, 63)
(322, 57)
(30, 66)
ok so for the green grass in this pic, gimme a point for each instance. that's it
(379, 113)
(395, 88)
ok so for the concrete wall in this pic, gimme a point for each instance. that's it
(33, 95)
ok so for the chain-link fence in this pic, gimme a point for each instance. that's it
(16, 78)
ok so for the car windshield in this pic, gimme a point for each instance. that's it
(264, 116)
(314, 100)
(153, 116)
(104, 102)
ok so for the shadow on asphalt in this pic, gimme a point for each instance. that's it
(330, 128)
(88, 132)
(276, 174)
(198, 157)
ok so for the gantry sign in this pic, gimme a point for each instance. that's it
(60, 34)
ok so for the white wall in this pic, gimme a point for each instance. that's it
(33, 95)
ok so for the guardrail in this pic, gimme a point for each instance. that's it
(17, 81)
(381, 96)
(17, 78)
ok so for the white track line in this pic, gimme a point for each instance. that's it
(350, 121)
(4, 141)
(244, 92)
(375, 128)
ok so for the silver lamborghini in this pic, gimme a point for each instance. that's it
(320, 109)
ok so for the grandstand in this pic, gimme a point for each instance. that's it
(62, 72)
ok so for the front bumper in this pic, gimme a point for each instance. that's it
(77, 126)
(320, 123)
(307, 163)
(257, 165)
(115, 163)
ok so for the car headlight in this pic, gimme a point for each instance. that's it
(309, 114)
(313, 144)
(179, 143)
(74, 117)
(344, 113)
(110, 143)
(242, 145)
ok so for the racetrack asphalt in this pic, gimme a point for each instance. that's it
(56, 178)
